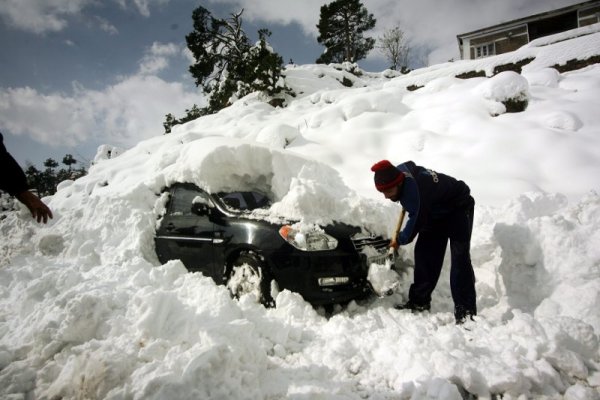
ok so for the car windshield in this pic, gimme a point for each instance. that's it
(245, 201)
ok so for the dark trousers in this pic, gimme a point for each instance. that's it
(430, 249)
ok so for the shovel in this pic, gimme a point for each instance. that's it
(391, 255)
(382, 278)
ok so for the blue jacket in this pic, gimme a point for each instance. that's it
(427, 195)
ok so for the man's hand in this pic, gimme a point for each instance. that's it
(393, 244)
(38, 209)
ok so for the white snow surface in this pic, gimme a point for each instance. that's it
(87, 311)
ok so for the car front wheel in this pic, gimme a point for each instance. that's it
(248, 275)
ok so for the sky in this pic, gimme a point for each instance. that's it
(87, 311)
(76, 74)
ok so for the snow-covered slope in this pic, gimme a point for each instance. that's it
(86, 311)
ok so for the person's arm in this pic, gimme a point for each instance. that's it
(411, 202)
(14, 181)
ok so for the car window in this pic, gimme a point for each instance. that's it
(182, 199)
(245, 200)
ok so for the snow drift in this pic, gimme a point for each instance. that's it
(86, 311)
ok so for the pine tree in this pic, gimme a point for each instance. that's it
(170, 121)
(227, 66)
(260, 69)
(190, 115)
(50, 163)
(34, 179)
(342, 24)
(216, 44)
(68, 160)
(48, 177)
(45, 182)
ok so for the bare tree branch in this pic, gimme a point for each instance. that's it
(395, 48)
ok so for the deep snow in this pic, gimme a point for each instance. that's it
(86, 311)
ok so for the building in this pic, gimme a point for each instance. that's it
(511, 35)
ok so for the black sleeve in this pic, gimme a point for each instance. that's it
(12, 177)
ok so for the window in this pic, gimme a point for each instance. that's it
(485, 50)
(245, 200)
(182, 199)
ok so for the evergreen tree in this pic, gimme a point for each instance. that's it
(170, 121)
(34, 179)
(45, 182)
(68, 160)
(50, 163)
(342, 24)
(190, 115)
(260, 69)
(227, 66)
(216, 44)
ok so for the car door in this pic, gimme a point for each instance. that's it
(186, 234)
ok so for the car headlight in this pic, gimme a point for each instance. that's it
(308, 241)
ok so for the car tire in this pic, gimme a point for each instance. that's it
(248, 274)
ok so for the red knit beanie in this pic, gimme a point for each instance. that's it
(386, 175)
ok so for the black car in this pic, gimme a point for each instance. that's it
(220, 236)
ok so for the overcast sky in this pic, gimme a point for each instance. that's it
(75, 74)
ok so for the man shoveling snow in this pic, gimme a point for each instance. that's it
(440, 208)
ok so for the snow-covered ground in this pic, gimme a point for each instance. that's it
(87, 311)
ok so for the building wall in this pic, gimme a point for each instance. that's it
(504, 41)
(511, 37)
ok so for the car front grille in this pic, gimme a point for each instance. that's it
(373, 249)
(360, 241)
(378, 259)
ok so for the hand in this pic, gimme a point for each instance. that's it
(393, 244)
(38, 209)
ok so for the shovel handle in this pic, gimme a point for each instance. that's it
(399, 225)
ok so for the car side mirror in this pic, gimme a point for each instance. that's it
(201, 206)
(200, 209)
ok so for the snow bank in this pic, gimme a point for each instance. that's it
(133, 329)
(86, 311)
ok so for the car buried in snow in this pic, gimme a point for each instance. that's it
(219, 235)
